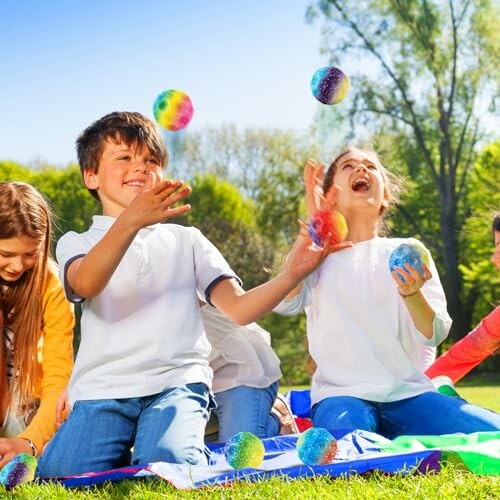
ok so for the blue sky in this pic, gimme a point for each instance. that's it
(65, 63)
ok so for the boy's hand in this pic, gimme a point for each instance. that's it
(305, 257)
(154, 204)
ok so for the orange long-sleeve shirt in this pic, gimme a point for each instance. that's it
(55, 355)
(468, 352)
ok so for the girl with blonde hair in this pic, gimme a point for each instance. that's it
(36, 324)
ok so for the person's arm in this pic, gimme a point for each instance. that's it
(57, 362)
(244, 307)
(88, 275)
(470, 351)
(425, 300)
(316, 201)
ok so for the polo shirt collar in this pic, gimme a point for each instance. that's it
(104, 222)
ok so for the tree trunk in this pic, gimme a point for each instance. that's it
(452, 278)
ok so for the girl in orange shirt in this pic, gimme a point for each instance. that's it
(36, 324)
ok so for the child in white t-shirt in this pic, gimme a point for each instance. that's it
(364, 324)
(141, 379)
(246, 373)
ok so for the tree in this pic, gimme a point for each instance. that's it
(427, 82)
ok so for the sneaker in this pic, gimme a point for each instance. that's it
(284, 414)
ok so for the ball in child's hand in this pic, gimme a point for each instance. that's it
(21, 469)
(408, 253)
(316, 446)
(329, 85)
(244, 449)
(327, 222)
(173, 109)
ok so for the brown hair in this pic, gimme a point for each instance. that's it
(393, 185)
(125, 126)
(495, 225)
(24, 211)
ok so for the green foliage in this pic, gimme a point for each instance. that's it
(70, 200)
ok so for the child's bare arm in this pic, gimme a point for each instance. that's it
(89, 275)
(244, 307)
(410, 289)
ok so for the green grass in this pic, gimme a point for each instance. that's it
(450, 484)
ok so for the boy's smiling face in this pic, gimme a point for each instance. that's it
(124, 171)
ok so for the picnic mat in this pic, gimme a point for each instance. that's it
(358, 452)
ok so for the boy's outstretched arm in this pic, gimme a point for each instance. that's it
(88, 275)
(244, 307)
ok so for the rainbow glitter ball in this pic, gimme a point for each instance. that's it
(316, 446)
(173, 109)
(329, 85)
(20, 470)
(327, 222)
(243, 450)
(411, 254)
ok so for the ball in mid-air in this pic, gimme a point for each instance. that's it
(173, 109)
(327, 222)
(329, 85)
(316, 446)
(243, 450)
(20, 470)
(408, 253)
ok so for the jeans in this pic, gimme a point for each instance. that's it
(247, 409)
(428, 413)
(105, 434)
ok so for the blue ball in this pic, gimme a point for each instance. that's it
(316, 446)
(407, 254)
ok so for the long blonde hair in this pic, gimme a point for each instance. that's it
(24, 211)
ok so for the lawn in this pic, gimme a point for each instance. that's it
(451, 483)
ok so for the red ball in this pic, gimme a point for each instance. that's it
(327, 222)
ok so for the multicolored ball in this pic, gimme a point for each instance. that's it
(327, 222)
(173, 109)
(20, 470)
(316, 446)
(329, 85)
(408, 253)
(243, 450)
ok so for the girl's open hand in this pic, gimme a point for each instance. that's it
(409, 280)
(313, 183)
(316, 200)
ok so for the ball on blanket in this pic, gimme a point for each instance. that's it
(316, 446)
(327, 222)
(244, 449)
(173, 109)
(21, 469)
(329, 85)
(408, 253)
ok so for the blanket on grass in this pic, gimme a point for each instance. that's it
(358, 452)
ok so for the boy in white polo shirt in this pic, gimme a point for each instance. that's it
(141, 378)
